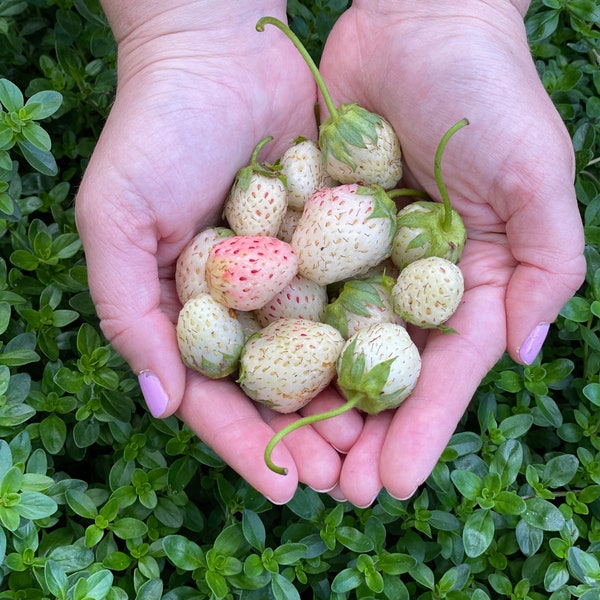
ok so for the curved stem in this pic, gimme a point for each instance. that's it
(437, 169)
(301, 423)
(408, 192)
(257, 149)
(260, 26)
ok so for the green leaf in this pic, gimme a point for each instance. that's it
(283, 589)
(10, 96)
(583, 565)
(41, 160)
(353, 539)
(544, 515)
(183, 553)
(43, 104)
(467, 483)
(55, 579)
(560, 470)
(346, 580)
(128, 528)
(478, 533)
(253, 529)
(35, 505)
(99, 584)
(81, 504)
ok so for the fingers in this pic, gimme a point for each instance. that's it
(227, 421)
(453, 366)
(360, 481)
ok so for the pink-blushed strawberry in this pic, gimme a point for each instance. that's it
(210, 337)
(300, 299)
(377, 369)
(257, 200)
(343, 232)
(288, 225)
(426, 228)
(362, 302)
(287, 363)
(304, 172)
(190, 277)
(245, 271)
(428, 291)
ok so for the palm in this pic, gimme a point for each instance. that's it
(500, 171)
(180, 128)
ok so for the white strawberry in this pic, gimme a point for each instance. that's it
(427, 228)
(288, 225)
(210, 337)
(377, 369)
(428, 291)
(244, 272)
(343, 232)
(302, 167)
(373, 159)
(257, 200)
(248, 321)
(358, 146)
(362, 302)
(300, 299)
(190, 277)
(286, 364)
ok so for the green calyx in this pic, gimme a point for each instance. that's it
(357, 297)
(363, 386)
(427, 219)
(348, 124)
(244, 175)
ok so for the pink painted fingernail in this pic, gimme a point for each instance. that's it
(154, 393)
(534, 342)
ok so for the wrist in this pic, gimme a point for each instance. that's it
(146, 19)
(412, 7)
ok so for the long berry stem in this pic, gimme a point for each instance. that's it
(260, 26)
(437, 169)
(301, 423)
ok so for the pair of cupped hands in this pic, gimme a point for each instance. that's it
(199, 87)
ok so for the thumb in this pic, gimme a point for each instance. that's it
(125, 286)
(547, 241)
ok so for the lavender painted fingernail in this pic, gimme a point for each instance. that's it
(154, 393)
(534, 342)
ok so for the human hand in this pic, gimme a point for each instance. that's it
(198, 87)
(425, 65)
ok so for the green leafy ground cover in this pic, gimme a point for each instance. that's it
(98, 500)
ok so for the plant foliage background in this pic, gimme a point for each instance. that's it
(98, 500)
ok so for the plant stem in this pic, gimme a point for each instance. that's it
(408, 192)
(437, 169)
(260, 26)
(257, 149)
(301, 423)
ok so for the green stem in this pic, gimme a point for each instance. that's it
(301, 423)
(254, 158)
(437, 169)
(408, 192)
(260, 26)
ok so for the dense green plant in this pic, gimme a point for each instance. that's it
(98, 500)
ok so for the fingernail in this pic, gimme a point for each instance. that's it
(154, 393)
(534, 342)
(368, 503)
(404, 496)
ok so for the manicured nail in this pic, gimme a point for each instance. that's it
(154, 393)
(533, 344)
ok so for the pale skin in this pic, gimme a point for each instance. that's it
(198, 87)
